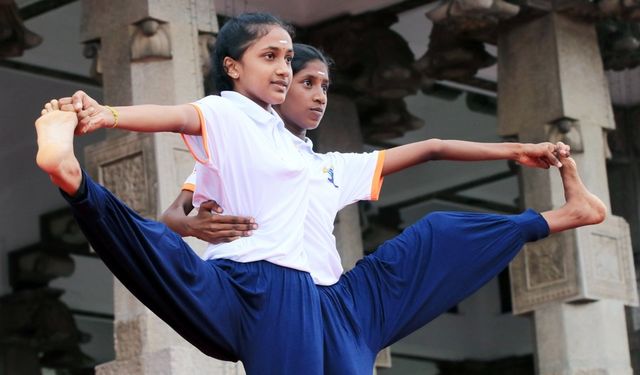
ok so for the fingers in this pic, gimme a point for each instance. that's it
(78, 99)
(550, 156)
(66, 101)
(237, 220)
(211, 206)
(86, 113)
(563, 150)
(67, 107)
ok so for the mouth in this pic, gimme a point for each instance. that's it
(318, 110)
(282, 83)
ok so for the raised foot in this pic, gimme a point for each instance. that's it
(55, 140)
(584, 207)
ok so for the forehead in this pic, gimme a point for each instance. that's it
(275, 37)
(315, 68)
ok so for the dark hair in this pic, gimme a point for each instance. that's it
(238, 34)
(303, 53)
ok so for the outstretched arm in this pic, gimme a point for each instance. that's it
(208, 225)
(141, 118)
(540, 155)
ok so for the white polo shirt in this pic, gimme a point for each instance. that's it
(336, 180)
(249, 164)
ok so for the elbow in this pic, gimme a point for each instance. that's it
(435, 147)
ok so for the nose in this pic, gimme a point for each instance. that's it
(320, 96)
(284, 69)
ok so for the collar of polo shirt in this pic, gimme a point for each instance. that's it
(306, 144)
(252, 109)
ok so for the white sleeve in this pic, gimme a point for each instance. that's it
(210, 146)
(357, 176)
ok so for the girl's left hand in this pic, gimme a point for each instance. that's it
(543, 155)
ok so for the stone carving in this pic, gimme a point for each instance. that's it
(386, 118)
(14, 36)
(545, 265)
(606, 265)
(608, 261)
(566, 130)
(544, 271)
(375, 66)
(627, 9)
(473, 13)
(452, 56)
(619, 44)
(126, 179)
(588, 263)
(124, 165)
(37, 328)
(92, 51)
(150, 41)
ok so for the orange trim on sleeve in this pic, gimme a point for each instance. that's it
(376, 184)
(189, 187)
(203, 130)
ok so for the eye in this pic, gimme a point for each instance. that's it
(269, 55)
(325, 88)
(288, 59)
(307, 83)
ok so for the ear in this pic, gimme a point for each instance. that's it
(231, 67)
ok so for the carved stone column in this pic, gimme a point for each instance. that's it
(148, 51)
(575, 283)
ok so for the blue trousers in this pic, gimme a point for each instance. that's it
(274, 319)
(413, 278)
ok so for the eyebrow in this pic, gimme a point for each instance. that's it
(324, 77)
(273, 48)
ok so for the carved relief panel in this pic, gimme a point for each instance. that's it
(125, 165)
(588, 263)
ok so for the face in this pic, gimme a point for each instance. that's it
(263, 73)
(307, 98)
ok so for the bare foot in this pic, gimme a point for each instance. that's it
(55, 147)
(582, 207)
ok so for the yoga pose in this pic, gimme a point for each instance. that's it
(302, 110)
(254, 299)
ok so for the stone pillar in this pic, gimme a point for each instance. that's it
(340, 131)
(624, 179)
(148, 51)
(575, 283)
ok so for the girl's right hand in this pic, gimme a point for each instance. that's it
(91, 115)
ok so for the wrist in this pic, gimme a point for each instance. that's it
(519, 149)
(114, 116)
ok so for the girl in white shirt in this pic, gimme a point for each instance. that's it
(433, 265)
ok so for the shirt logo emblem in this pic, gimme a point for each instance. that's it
(331, 177)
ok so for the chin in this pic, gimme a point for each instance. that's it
(312, 126)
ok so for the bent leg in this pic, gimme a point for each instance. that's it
(194, 297)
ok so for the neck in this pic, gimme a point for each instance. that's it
(295, 130)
